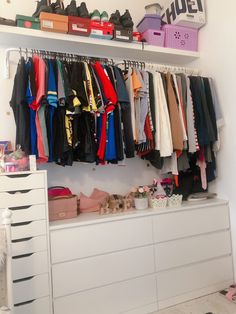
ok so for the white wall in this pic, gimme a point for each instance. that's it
(218, 59)
(114, 179)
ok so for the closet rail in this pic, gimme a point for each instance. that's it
(67, 56)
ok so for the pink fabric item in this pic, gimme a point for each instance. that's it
(93, 202)
(56, 191)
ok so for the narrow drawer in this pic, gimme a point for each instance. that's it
(69, 244)
(39, 306)
(75, 276)
(189, 223)
(22, 198)
(179, 281)
(31, 288)
(29, 245)
(30, 265)
(27, 230)
(16, 182)
(191, 250)
(28, 213)
(114, 299)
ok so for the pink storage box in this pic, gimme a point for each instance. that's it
(154, 37)
(62, 207)
(150, 21)
(179, 37)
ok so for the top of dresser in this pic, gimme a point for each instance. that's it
(96, 218)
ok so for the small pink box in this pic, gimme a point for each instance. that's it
(179, 37)
(154, 37)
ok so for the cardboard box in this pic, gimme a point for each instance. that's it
(79, 26)
(123, 34)
(27, 22)
(187, 13)
(102, 30)
(53, 22)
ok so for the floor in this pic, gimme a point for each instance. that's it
(215, 304)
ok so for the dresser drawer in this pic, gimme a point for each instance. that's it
(29, 245)
(28, 213)
(179, 281)
(39, 306)
(113, 299)
(16, 182)
(31, 288)
(69, 244)
(75, 276)
(191, 250)
(189, 223)
(22, 198)
(30, 265)
(28, 230)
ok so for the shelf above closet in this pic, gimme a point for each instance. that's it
(37, 39)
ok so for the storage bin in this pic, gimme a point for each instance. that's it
(150, 21)
(53, 22)
(27, 22)
(181, 37)
(103, 30)
(62, 207)
(79, 26)
(156, 203)
(154, 37)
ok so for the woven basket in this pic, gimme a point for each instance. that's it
(175, 200)
(156, 203)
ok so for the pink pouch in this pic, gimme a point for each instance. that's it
(92, 203)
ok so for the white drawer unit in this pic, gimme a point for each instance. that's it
(100, 238)
(113, 299)
(84, 274)
(31, 288)
(141, 262)
(37, 306)
(25, 194)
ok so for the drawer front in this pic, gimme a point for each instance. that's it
(39, 306)
(113, 299)
(22, 198)
(189, 223)
(30, 265)
(29, 245)
(27, 230)
(28, 213)
(179, 281)
(31, 288)
(191, 250)
(85, 241)
(16, 182)
(75, 276)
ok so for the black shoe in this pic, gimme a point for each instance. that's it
(43, 6)
(58, 7)
(83, 11)
(71, 9)
(126, 20)
(115, 18)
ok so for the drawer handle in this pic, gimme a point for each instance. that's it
(20, 207)
(22, 256)
(18, 192)
(22, 240)
(18, 176)
(21, 223)
(23, 279)
(24, 303)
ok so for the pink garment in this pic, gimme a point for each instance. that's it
(201, 163)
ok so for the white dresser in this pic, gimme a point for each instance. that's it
(140, 262)
(25, 194)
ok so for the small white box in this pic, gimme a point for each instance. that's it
(187, 13)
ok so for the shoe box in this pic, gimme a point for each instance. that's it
(102, 30)
(79, 26)
(51, 22)
(27, 22)
(123, 34)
